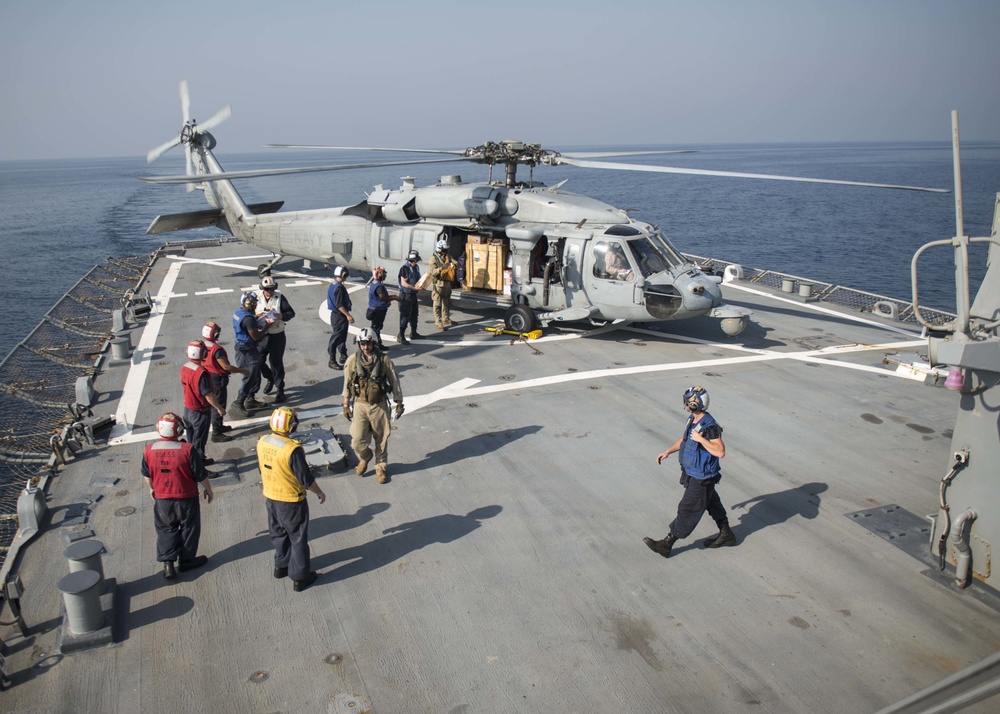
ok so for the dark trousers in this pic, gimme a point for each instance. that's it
(408, 308)
(288, 524)
(197, 424)
(699, 496)
(178, 528)
(249, 358)
(338, 340)
(275, 354)
(220, 387)
(377, 318)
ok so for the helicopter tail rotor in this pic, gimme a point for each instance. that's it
(191, 133)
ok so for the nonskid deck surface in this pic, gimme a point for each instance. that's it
(503, 568)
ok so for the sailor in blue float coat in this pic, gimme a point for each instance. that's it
(699, 450)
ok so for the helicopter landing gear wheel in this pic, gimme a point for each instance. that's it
(264, 269)
(520, 318)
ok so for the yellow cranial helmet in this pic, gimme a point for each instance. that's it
(284, 421)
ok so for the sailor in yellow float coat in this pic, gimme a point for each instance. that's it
(286, 477)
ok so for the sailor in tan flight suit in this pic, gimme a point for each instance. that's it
(369, 377)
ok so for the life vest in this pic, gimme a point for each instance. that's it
(211, 363)
(375, 303)
(190, 377)
(169, 467)
(265, 305)
(274, 454)
(345, 299)
(368, 383)
(447, 266)
(695, 459)
(412, 274)
(241, 334)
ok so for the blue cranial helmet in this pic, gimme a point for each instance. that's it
(696, 399)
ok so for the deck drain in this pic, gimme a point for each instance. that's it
(259, 677)
(506, 377)
(594, 387)
(473, 405)
(126, 511)
(571, 369)
(430, 366)
(333, 658)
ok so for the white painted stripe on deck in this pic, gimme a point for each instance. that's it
(142, 357)
(816, 308)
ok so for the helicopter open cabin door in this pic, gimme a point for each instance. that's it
(609, 274)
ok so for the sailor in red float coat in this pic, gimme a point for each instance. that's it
(172, 470)
(199, 397)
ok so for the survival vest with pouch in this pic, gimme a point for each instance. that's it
(369, 383)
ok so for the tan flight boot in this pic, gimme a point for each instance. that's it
(381, 473)
(363, 458)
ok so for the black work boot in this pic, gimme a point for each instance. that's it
(401, 339)
(237, 409)
(662, 547)
(725, 537)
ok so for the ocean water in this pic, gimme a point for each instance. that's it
(62, 217)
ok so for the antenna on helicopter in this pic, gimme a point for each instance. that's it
(191, 132)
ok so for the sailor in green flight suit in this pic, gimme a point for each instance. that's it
(286, 477)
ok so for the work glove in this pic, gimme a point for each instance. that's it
(399, 409)
(348, 412)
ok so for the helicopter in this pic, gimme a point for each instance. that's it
(545, 254)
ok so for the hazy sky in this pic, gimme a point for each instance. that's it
(99, 78)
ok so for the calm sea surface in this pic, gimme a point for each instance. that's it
(60, 218)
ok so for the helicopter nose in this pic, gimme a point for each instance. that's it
(701, 294)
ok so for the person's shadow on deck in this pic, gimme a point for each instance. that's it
(773, 508)
(318, 527)
(400, 541)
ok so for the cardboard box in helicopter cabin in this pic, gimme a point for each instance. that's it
(484, 266)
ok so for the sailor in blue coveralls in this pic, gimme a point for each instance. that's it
(699, 450)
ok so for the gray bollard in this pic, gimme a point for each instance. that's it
(805, 290)
(787, 286)
(83, 601)
(120, 348)
(86, 555)
(124, 335)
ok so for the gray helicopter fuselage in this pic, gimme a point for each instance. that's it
(533, 227)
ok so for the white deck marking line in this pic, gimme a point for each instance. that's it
(817, 308)
(463, 388)
(214, 291)
(128, 405)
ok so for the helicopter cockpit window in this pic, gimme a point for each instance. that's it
(610, 262)
(653, 254)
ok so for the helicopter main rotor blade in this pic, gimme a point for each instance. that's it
(733, 174)
(599, 154)
(282, 172)
(456, 152)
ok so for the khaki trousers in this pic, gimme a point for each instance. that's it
(371, 426)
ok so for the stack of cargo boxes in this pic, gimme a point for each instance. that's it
(485, 264)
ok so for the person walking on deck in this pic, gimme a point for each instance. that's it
(699, 450)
